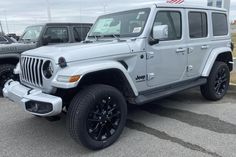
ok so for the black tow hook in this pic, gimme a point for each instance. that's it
(9, 83)
(29, 91)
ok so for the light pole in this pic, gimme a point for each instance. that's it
(2, 33)
(49, 11)
(5, 13)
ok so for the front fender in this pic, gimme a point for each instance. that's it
(89, 67)
(212, 58)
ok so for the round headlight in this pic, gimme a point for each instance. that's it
(48, 69)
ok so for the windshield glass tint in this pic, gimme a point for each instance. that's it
(32, 33)
(123, 24)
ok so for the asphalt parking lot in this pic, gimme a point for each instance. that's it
(182, 125)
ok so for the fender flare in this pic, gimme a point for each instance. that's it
(90, 67)
(212, 58)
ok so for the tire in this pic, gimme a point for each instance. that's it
(6, 73)
(217, 83)
(97, 116)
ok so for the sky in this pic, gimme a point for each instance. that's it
(22, 13)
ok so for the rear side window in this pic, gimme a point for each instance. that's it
(80, 33)
(220, 24)
(197, 24)
(173, 20)
(57, 34)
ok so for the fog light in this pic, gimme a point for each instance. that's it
(38, 107)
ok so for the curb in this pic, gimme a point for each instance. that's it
(232, 86)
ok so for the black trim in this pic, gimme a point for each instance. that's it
(160, 92)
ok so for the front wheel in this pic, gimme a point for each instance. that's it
(217, 83)
(6, 73)
(97, 116)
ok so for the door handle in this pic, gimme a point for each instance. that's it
(180, 50)
(205, 46)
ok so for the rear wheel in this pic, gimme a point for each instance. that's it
(6, 73)
(217, 83)
(97, 116)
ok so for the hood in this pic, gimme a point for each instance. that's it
(80, 51)
(16, 47)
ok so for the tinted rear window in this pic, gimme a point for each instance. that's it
(197, 24)
(220, 24)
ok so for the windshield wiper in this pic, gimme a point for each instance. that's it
(117, 36)
(94, 36)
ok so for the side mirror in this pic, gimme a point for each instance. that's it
(46, 40)
(160, 32)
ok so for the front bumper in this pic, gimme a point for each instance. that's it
(25, 97)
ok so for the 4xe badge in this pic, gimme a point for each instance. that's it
(140, 78)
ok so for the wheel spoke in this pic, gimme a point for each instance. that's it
(108, 131)
(99, 136)
(96, 127)
(114, 115)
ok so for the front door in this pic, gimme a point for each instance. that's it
(167, 60)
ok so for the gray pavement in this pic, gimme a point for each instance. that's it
(182, 125)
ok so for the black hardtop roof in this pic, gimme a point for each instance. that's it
(62, 24)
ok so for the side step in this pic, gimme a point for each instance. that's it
(160, 93)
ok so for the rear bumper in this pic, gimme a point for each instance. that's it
(33, 101)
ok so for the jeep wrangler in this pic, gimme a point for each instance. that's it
(130, 57)
(37, 36)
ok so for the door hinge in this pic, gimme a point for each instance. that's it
(150, 76)
(189, 68)
(190, 50)
(150, 55)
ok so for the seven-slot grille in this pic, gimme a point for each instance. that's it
(32, 71)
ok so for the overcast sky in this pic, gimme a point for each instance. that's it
(21, 13)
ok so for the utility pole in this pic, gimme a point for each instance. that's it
(5, 13)
(2, 33)
(49, 11)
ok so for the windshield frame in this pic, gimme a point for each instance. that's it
(131, 35)
(33, 40)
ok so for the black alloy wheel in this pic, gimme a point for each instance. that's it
(217, 83)
(96, 116)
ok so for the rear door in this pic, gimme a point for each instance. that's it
(198, 40)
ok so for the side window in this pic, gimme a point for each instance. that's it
(198, 25)
(173, 20)
(220, 24)
(57, 34)
(80, 33)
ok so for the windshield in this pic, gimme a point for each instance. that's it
(32, 33)
(123, 24)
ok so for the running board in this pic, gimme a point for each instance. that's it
(160, 93)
